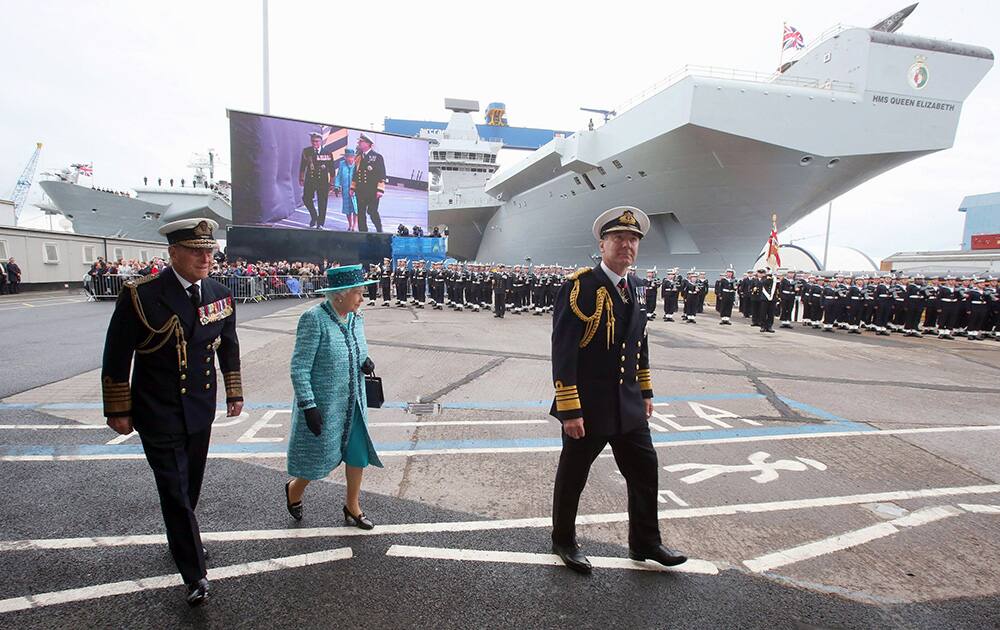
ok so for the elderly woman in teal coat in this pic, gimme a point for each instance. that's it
(330, 414)
(342, 188)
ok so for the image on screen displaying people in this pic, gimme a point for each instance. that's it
(297, 174)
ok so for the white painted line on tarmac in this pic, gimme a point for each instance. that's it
(544, 559)
(491, 525)
(818, 548)
(450, 423)
(169, 581)
(525, 449)
(34, 427)
(979, 508)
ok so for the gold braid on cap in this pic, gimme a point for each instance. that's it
(593, 322)
(173, 328)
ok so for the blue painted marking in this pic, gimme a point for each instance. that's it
(834, 424)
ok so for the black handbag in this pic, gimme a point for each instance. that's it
(373, 390)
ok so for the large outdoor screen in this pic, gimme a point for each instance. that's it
(309, 175)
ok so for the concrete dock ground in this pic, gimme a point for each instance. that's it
(832, 481)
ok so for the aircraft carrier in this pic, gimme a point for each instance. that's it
(710, 154)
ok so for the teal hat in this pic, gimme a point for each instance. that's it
(343, 278)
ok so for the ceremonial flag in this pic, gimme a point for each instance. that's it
(86, 169)
(792, 38)
(773, 257)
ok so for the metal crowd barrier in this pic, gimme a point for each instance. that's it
(244, 288)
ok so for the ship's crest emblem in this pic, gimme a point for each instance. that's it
(918, 75)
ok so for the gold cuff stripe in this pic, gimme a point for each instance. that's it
(567, 405)
(573, 397)
(117, 407)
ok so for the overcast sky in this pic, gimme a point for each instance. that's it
(138, 87)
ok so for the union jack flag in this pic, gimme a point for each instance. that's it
(792, 38)
(85, 169)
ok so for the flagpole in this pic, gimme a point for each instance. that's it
(826, 246)
(781, 47)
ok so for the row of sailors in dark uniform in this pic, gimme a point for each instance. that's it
(946, 306)
(671, 289)
(469, 286)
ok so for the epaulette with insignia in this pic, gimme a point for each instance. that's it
(134, 282)
(579, 272)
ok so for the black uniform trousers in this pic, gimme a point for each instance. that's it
(373, 292)
(765, 314)
(499, 303)
(367, 206)
(386, 284)
(178, 463)
(883, 309)
(636, 459)
(320, 189)
(787, 302)
(913, 312)
(725, 305)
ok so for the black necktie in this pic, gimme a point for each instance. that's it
(623, 289)
(195, 294)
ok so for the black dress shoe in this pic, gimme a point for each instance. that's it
(295, 509)
(663, 555)
(360, 521)
(197, 593)
(573, 558)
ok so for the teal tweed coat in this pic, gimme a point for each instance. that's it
(326, 373)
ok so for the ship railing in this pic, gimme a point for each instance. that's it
(243, 288)
(734, 74)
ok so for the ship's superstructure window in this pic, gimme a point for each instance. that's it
(577, 180)
(88, 255)
(600, 169)
(642, 173)
(616, 163)
(50, 253)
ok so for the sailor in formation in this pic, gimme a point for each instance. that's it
(945, 306)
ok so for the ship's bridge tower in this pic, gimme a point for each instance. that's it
(459, 158)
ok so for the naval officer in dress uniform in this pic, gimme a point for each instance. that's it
(169, 328)
(368, 184)
(315, 177)
(603, 390)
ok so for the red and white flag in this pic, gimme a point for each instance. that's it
(773, 257)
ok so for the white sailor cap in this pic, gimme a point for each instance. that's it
(621, 219)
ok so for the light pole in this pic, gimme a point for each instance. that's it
(826, 245)
(267, 66)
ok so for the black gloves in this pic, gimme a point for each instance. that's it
(368, 367)
(314, 420)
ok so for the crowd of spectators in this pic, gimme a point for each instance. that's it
(247, 280)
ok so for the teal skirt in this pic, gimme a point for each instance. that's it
(357, 442)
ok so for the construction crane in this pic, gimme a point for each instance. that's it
(19, 194)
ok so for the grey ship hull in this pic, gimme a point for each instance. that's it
(97, 213)
(712, 157)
